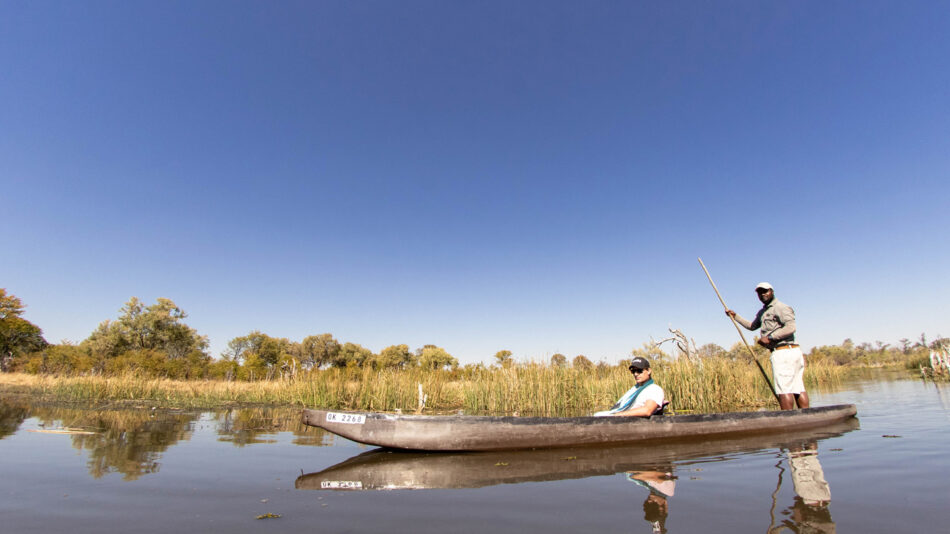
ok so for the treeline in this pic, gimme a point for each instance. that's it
(910, 354)
(17, 335)
(155, 341)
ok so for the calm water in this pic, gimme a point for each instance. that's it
(216, 472)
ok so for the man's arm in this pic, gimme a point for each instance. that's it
(646, 410)
(754, 325)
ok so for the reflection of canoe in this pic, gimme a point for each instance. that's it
(475, 433)
(385, 469)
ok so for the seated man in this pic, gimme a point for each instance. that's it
(643, 399)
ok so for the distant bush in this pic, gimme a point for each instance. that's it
(921, 359)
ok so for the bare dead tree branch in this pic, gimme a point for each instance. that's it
(686, 346)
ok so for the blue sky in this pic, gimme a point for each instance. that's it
(531, 176)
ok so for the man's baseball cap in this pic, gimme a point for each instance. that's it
(763, 285)
(639, 363)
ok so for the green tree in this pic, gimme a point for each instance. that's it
(432, 357)
(158, 327)
(559, 360)
(394, 357)
(838, 354)
(240, 346)
(63, 358)
(503, 358)
(273, 349)
(650, 351)
(710, 350)
(17, 335)
(353, 355)
(226, 369)
(740, 351)
(582, 362)
(317, 351)
(261, 349)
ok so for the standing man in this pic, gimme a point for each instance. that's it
(777, 321)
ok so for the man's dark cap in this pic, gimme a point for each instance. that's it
(639, 363)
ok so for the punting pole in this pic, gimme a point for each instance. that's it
(734, 323)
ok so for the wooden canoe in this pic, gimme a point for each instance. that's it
(386, 469)
(487, 433)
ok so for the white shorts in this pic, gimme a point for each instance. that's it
(788, 369)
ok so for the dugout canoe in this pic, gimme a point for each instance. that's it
(491, 433)
(387, 469)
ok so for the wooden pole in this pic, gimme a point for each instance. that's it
(741, 335)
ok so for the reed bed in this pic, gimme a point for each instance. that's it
(525, 389)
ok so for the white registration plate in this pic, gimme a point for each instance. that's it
(349, 418)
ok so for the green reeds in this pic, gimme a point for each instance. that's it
(710, 385)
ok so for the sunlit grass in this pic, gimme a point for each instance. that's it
(526, 389)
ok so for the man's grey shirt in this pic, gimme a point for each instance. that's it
(776, 319)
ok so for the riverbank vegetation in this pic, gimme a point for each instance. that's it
(523, 389)
(149, 355)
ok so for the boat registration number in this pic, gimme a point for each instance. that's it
(341, 484)
(349, 418)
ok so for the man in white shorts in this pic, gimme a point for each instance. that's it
(777, 321)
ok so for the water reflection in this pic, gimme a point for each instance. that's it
(247, 426)
(652, 466)
(386, 469)
(809, 511)
(661, 483)
(131, 442)
(12, 416)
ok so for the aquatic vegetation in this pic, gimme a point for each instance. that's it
(707, 385)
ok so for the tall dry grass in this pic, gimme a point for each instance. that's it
(526, 389)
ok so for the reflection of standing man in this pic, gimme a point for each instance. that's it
(814, 519)
(661, 483)
(809, 513)
(808, 476)
(777, 321)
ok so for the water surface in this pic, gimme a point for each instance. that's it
(81, 470)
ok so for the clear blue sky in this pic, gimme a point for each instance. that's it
(531, 176)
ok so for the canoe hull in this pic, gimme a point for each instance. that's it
(476, 433)
(385, 469)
